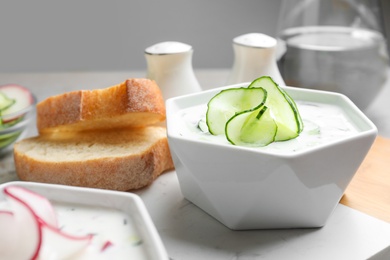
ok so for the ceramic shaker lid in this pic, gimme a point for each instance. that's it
(169, 47)
(257, 40)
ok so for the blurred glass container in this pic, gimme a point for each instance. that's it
(254, 56)
(334, 45)
(170, 65)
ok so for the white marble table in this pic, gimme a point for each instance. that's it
(189, 233)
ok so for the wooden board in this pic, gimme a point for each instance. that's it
(369, 190)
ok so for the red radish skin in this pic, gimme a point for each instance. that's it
(23, 211)
(106, 245)
(61, 243)
(41, 213)
(40, 205)
(6, 212)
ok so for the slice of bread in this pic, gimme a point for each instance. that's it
(133, 103)
(121, 159)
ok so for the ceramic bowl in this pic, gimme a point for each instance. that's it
(70, 202)
(269, 188)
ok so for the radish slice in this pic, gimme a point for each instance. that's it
(23, 99)
(8, 238)
(25, 225)
(34, 219)
(22, 96)
(40, 205)
(57, 243)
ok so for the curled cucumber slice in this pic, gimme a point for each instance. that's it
(252, 128)
(283, 107)
(229, 102)
(254, 116)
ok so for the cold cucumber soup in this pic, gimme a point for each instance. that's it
(112, 230)
(323, 123)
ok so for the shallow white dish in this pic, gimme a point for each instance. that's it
(251, 188)
(128, 203)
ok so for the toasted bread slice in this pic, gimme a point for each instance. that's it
(123, 159)
(133, 103)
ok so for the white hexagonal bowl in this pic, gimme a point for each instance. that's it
(251, 188)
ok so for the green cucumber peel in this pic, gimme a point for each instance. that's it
(7, 139)
(10, 123)
(252, 128)
(283, 107)
(229, 102)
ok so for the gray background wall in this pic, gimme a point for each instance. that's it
(73, 35)
(53, 35)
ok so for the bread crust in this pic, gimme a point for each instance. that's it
(134, 103)
(147, 157)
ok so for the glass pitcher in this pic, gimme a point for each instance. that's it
(335, 45)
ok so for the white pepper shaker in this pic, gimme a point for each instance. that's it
(254, 56)
(170, 65)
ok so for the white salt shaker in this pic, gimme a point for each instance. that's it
(254, 56)
(170, 65)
